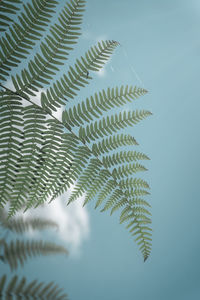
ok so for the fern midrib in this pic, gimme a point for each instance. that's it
(45, 66)
(24, 35)
(97, 157)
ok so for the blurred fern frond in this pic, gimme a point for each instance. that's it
(21, 225)
(17, 288)
(18, 251)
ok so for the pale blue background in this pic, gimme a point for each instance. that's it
(162, 42)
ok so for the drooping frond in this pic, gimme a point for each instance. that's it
(22, 36)
(16, 288)
(41, 156)
(20, 225)
(18, 251)
(49, 160)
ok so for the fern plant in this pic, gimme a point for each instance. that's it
(42, 156)
(16, 252)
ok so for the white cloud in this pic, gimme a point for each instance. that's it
(73, 221)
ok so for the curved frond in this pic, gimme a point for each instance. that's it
(58, 160)
(18, 252)
(15, 288)
(40, 156)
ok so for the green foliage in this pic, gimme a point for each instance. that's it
(16, 288)
(41, 156)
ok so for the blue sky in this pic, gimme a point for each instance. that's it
(160, 49)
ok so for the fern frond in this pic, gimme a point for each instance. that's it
(96, 185)
(58, 172)
(127, 170)
(52, 143)
(139, 227)
(96, 105)
(54, 51)
(78, 76)
(105, 191)
(112, 143)
(18, 252)
(20, 225)
(53, 136)
(8, 8)
(41, 157)
(31, 156)
(109, 125)
(116, 196)
(80, 160)
(11, 136)
(16, 288)
(133, 182)
(122, 157)
(86, 179)
(17, 44)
